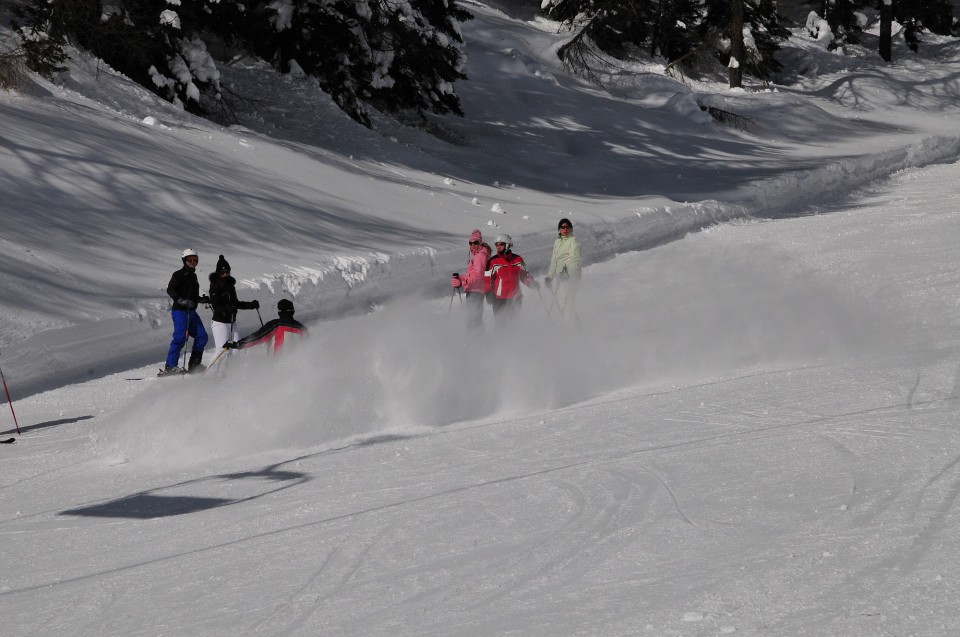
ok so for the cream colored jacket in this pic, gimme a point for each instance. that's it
(566, 258)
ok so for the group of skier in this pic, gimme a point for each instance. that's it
(497, 277)
(494, 277)
(184, 290)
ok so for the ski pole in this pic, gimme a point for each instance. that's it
(10, 402)
(456, 275)
(259, 317)
(556, 302)
(542, 302)
(186, 342)
(222, 352)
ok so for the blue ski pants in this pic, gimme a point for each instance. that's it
(185, 321)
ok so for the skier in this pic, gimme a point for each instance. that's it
(223, 298)
(506, 271)
(275, 330)
(565, 267)
(474, 281)
(184, 289)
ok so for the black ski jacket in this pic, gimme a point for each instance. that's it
(223, 299)
(184, 285)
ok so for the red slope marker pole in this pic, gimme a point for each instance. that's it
(10, 402)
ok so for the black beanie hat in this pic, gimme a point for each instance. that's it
(285, 306)
(222, 265)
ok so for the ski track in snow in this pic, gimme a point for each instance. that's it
(751, 431)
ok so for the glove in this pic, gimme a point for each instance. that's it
(547, 281)
(455, 281)
(187, 304)
(232, 345)
(205, 299)
(256, 304)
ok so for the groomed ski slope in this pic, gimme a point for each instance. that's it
(767, 447)
(749, 428)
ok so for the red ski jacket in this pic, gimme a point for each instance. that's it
(506, 271)
(277, 330)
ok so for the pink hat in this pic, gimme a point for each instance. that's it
(475, 236)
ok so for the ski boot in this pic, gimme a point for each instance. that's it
(172, 371)
(194, 366)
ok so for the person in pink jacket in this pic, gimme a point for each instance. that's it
(473, 281)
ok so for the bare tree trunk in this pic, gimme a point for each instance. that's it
(736, 44)
(886, 28)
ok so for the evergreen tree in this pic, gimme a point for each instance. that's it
(155, 43)
(670, 29)
(663, 27)
(886, 28)
(917, 16)
(423, 41)
(394, 54)
(843, 18)
(762, 33)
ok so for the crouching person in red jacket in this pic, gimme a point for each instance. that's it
(276, 330)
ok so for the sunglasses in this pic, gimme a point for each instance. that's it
(474, 243)
(499, 243)
(566, 227)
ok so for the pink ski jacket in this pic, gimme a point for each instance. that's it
(474, 279)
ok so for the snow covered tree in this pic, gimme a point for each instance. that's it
(156, 43)
(843, 17)
(40, 52)
(393, 54)
(663, 27)
(737, 45)
(671, 29)
(762, 31)
(916, 16)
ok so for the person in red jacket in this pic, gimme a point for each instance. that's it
(474, 281)
(275, 331)
(506, 271)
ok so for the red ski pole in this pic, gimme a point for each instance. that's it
(10, 402)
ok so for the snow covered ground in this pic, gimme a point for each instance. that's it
(750, 428)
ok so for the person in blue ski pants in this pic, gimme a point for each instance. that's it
(184, 289)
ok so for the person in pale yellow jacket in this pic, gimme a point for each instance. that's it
(563, 276)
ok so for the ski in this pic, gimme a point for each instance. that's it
(7, 441)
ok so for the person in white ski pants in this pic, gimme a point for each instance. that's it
(223, 299)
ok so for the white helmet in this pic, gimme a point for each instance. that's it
(504, 238)
(189, 252)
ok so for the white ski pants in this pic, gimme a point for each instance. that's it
(223, 332)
